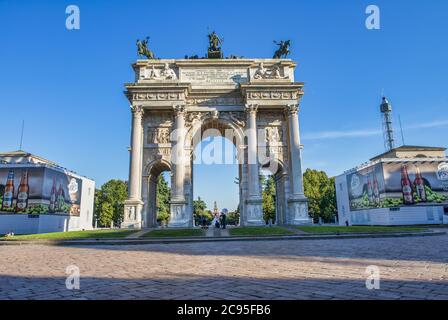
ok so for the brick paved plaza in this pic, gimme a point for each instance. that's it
(322, 269)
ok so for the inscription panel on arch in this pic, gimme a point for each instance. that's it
(214, 76)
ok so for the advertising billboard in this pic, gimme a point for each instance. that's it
(39, 190)
(395, 184)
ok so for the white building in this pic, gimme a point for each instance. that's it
(407, 185)
(38, 196)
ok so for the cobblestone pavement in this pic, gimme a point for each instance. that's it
(410, 268)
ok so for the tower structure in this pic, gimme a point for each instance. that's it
(388, 131)
(215, 208)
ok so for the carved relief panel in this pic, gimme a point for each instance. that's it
(157, 129)
(158, 72)
(274, 72)
(158, 136)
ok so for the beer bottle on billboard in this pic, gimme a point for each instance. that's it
(8, 195)
(61, 198)
(420, 186)
(369, 189)
(406, 186)
(23, 193)
(53, 205)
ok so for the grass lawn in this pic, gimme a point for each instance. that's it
(74, 235)
(168, 233)
(259, 231)
(356, 229)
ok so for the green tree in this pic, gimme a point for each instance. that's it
(113, 193)
(268, 207)
(270, 186)
(199, 206)
(268, 195)
(163, 200)
(106, 214)
(200, 211)
(233, 218)
(96, 207)
(321, 194)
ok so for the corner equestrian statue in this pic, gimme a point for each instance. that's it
(142, 49)
(283, 50)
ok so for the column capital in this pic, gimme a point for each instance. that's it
(137, 111)
(251, 108)
(292, 109)
(179, 110)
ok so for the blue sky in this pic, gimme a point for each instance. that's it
(68, 85)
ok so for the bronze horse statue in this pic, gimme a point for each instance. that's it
(283, 50)
(142, 49)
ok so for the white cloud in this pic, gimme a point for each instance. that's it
(433, 124)
(322, 135)
(340, 134)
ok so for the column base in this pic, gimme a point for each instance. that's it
(178, 214)
(132, 214)
(298, 211)
(254, 212)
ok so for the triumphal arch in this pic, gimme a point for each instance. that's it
(255, 101)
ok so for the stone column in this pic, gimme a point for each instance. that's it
(178, 158)
(133, 206)
(179, 217)
(254, 212)
(136, 153)
(297, 202)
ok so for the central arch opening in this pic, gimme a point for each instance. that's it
(216, 174)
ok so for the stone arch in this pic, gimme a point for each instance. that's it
(280, 173)
(199, 126)
(152, 171)
(158, 165)
(194, 137)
